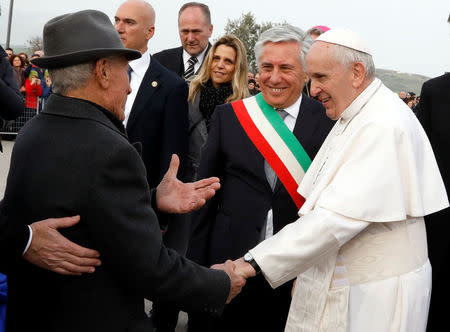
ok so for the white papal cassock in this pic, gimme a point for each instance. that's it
(359, 249)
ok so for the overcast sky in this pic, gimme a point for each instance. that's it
(405, 35)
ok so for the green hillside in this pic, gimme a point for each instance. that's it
(397, 81)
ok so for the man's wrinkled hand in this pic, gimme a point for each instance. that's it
(244, 269)
(52, 251)
(174, 196)
(237, 280)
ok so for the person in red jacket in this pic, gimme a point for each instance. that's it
(33, 89)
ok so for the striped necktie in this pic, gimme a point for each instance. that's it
(190, 70)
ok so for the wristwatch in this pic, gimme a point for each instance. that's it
(249, 259)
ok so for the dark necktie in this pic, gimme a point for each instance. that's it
(129, 72)
(190, 70)
(270, 174)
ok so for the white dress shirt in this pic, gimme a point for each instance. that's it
(139, 67)
(29, 240)
(200, 57)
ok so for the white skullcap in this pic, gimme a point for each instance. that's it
(344, 37)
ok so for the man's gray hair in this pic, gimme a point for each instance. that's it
(202, 6)
(348, 56)
(284, 33)
(72, 77)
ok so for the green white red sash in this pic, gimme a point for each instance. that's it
(275, 141)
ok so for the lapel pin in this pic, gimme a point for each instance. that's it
(154, 84)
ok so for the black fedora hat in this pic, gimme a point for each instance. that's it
(80, 37)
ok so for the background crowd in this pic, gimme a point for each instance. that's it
(36, 86)
(34, 83)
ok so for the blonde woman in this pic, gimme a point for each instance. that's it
(222, 79)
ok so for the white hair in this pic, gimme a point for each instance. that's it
(284, 33)
(348, 56)
(72, 77)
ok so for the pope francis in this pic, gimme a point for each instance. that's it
(359, 249)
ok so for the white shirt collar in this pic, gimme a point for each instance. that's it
(294, 108)
(200, 57)
(140, 65)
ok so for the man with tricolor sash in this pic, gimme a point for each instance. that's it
(260, 148)
(358, 251)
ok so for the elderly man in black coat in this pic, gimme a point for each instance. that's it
(49, 250)
(74, 157)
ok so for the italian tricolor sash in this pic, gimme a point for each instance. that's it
(275, 141)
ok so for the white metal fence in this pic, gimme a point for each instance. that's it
(13, 127)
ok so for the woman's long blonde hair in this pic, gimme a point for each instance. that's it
(239, 80)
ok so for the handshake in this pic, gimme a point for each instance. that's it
(238, 271)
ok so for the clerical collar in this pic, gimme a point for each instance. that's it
(357, 104)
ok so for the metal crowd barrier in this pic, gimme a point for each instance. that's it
(13, 127)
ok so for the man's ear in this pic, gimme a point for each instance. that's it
(102, 72)
(150, 32)
(358, 74)
(211, 27)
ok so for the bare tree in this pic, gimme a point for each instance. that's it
(35, 43)
(248, 31)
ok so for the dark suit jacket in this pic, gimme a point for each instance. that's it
(13, 237)
(172, 59)
(13, 240)
(198, 134)
(230, 224)
(434, 115)
(159, 120)
(72, 159)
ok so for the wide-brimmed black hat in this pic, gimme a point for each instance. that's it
(80, 37)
